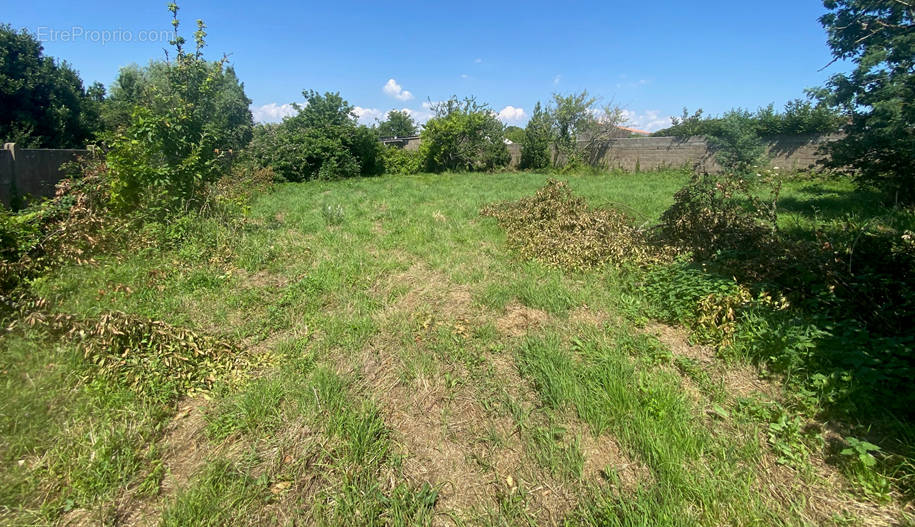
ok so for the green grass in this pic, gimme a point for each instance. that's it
(322, 277)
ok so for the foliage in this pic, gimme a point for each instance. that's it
(333, 214)
(140, 352)
(175, 141)
(737, 135)
(401, 161)
(397, 124)
(572, 118)
(798, 117)
(67, 227)
(43, 103)
(560, 229)
(581, 130)
(515, 134)
(230, 119)
(721, 220)
(463, 135)
(879, 143)
(322, 141)
(737, 145)
(536, 143)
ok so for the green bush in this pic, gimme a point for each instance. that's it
(463, 135)
(536, 144)
(401, 161)
(721, 220)
(173, 146)
(323, 141)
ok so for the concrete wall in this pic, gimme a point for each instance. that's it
(32, 172)
(796, 152)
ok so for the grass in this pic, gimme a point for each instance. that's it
(403, 368)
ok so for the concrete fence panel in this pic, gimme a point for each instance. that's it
(32, 172)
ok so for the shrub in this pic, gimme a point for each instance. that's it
(173, 145)
(66, 227)
(463, 135)
(737, 144)
(401, 161)
(559, 229)
(536, 144)
(323, 141)
(721, 220)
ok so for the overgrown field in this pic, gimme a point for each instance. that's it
(372, 351)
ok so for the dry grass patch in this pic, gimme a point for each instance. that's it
(518, 320)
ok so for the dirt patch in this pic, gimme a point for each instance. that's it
(741, 380)
(518, 320)
(428, 290)
(264, 279)
(184, 453)
(585, 316)
(430, 426)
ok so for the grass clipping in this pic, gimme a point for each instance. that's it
(148, 354)
(559, 229)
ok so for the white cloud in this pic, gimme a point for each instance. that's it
(464, 76)
(511, 114)
(478, 61)
(556, 79)
(396, 90)
(420, 116)
(649, 120)
(272, 112)
(367, 115)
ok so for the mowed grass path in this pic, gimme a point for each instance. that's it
(406, 369)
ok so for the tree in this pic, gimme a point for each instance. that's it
(878, 96)
(42, 101)
(581, 130)
(515, 134)
(397, 124)
(230, 116)
(322, 141)
(175, 140)
(538, 140)
(736, 142)
(463, 135)
(572, 116)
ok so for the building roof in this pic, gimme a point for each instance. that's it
(634, 130)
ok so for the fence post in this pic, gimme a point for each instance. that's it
(7, 173)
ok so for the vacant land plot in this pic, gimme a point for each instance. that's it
(383, 359)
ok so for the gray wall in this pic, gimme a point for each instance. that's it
(796, 152)
(32, 172)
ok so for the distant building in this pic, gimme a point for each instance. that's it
(633, 131)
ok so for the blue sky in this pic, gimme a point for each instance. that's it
(651, 58)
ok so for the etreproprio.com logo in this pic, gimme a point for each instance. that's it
(102, 36)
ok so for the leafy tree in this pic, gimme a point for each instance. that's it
(736, 142)
(537, 141)
(799, 117)
(515, 134)
(463, 135)
(572, 117)
(878, 96)
(231, 117)
(42, 101)
(175, 141)
(397, 124)
(322, 141)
